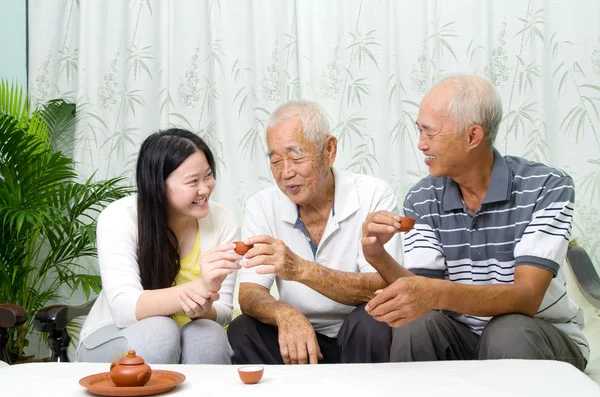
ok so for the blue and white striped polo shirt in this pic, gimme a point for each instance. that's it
(525, 218)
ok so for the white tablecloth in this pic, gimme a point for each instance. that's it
(506, 378)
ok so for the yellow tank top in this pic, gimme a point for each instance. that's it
(189, 270)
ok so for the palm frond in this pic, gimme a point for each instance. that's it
(47, 215)
(14, 102)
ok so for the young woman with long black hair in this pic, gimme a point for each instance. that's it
(166, 261)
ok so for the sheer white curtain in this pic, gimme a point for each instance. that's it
(219, 68)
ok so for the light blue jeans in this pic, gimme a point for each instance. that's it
(159, 340)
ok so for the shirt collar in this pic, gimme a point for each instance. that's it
(345, 199)
(498, 190)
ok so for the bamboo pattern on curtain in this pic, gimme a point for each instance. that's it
(219, 67)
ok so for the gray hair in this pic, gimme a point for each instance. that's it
(315, 125)
(475, 102)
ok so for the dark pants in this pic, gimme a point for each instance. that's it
(361, 339)
(436, 336)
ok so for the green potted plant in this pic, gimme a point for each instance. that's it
(47, 215)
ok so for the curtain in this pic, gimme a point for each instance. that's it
(219, 67)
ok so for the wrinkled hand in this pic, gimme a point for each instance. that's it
(377, 230)
(407, 299)
(297, 339)
(218, 263)
(195, 305)
(275, 257)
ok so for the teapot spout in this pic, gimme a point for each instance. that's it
(144, 377)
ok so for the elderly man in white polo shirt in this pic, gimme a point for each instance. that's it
(306, 233)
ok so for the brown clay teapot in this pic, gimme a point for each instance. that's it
(130, 371)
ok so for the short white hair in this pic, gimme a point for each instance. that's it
(475, 102)
(315, 125)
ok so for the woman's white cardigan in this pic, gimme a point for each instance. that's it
(117, 239)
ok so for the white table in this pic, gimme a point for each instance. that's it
(506, 378)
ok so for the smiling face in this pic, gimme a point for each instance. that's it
(445, 151)
(298, 167)
(189, 187)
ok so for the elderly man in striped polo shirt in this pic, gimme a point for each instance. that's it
(481, 277)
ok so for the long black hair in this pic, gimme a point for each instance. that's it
(158, 250)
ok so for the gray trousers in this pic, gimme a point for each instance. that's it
(436, 336)
(159, 340)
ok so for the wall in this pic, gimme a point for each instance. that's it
(13, 41)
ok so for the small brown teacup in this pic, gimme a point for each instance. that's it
(250, 374)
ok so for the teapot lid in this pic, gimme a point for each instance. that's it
(131, 359)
